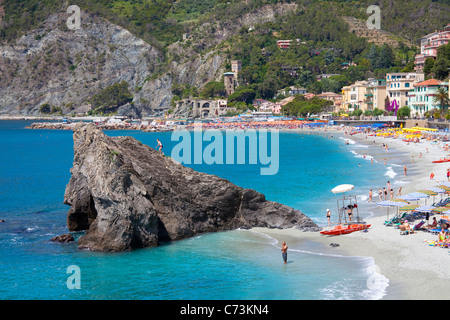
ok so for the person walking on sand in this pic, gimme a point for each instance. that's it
(159, 146)
(284, 248)
(380, 194)
(448, 174)
(329, 217)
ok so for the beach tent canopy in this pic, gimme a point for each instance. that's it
(342, 188)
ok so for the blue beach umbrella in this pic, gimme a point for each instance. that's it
(414, 196)
(391, 203)
(425, 208)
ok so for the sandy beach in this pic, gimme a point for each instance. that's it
(414, 269)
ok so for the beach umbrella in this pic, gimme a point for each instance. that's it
(444, 187)
(439, 210)
(414, 196)
(424, 208)
(409, 207)
(429, 192)
(391, 203)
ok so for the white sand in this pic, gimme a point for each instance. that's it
(414, 269)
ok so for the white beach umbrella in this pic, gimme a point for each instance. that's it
(342, 188)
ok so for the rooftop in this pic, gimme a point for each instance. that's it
(430, 82)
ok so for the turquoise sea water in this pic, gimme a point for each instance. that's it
(241, 264)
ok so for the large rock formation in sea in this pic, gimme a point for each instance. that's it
(126, 195)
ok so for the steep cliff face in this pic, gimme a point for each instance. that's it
(128, 196)
(64, 67)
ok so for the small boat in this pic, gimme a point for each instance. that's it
(344, 229)
(441, 160)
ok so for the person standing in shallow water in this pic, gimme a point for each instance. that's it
(284, 248)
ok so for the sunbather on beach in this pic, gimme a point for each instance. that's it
(442, 236)
(406, 227)
(432, 225)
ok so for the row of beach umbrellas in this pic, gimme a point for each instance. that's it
(403, 202)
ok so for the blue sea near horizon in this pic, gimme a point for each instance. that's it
(239, 264)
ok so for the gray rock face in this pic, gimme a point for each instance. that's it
(128, 196)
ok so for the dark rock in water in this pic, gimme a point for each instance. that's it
(128, 196)
(64, 238)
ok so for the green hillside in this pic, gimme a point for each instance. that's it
(322, 41)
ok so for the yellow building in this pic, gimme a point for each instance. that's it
(375, 94)
(353, 97)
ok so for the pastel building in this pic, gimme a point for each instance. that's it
(399, 84)
(375, 95)
(353, 96)
(429, 45)
(422, 97)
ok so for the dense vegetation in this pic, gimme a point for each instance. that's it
(301, 106)
(324, 46)
(439, 68)
(111, 98)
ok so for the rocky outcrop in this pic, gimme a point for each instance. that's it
(128, 196)
(64, 238)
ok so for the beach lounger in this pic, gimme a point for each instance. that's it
(396, 219)
(419, 226)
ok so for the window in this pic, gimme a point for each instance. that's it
(407, 85)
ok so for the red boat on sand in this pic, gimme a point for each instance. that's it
(441, 160)
(344, 229)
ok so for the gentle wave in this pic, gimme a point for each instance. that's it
(376, 283)
(390, 173)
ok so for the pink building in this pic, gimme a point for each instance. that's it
(429, 45)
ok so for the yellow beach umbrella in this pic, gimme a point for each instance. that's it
(409, 207)
(439, 209)
(428, 192)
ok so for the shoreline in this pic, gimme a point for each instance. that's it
(413, 268)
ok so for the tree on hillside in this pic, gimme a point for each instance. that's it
(442, 98)
(213, 89)
(112, 97)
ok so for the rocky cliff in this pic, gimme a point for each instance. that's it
(126, 195)
(65, 68)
